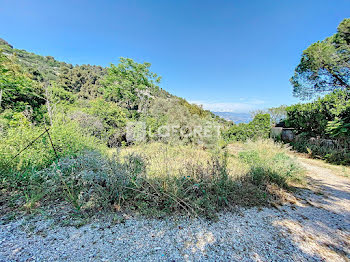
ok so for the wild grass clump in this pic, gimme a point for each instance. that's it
(158, 179)
(88, 181)
(269, 162)
(91, 181)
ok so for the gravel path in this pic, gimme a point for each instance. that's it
(314, 227)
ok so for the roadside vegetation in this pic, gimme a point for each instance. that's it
(322, 78)
(157, 179)
(323, 126)
(110, 139)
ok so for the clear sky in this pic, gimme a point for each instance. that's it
(227, 55)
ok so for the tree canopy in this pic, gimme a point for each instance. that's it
(127, 80)
(325, 65)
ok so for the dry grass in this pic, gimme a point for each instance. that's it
(165, 160)
(337, 169)
(271, 162)
(159, 179)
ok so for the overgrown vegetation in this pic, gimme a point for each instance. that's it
(93, 165)
(259, 127)
(269, 163)
(316, 118)
(322, 127)
(154, 179)
(69, 139)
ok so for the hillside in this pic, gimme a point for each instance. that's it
(99, 162)
(105, 98)
(102, 136)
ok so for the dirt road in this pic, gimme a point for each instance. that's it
(315, 226)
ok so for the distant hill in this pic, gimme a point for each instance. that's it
(235, 117)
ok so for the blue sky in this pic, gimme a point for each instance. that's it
(227, 55)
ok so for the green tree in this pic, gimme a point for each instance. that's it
(82, 80)
(277, 114)
(324, 65)
(313, 118)
(259, 127)
(128, 81)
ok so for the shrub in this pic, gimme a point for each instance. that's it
(259, 127)
(157, 179)
(325, 118)
(313, 118)
(104, 120)
(89, 180)
(270, 163)
(67, 137)
(340, 127)
(182, 126)
(330, 150)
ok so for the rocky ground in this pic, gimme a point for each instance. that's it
(314, 226)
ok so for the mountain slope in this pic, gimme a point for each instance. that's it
(112, 96)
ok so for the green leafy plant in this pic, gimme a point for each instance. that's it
(338, 128)
(259, 127)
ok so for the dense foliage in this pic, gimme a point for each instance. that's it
(69, 140)
(96, 103)
(313, 118)
(323, 126)
(259, 127)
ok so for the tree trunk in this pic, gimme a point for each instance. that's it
(341, 81)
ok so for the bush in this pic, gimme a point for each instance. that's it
(67, 137)
(259, 127)
(270, 163)
(330, 150)
(339, 128)
(156, 179)
(89, 181)
(325, 118)
(313, 118)
(182, 126)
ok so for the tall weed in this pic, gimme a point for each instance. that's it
(270, 163)
(157, 179)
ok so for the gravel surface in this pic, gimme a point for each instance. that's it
(314, 227)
